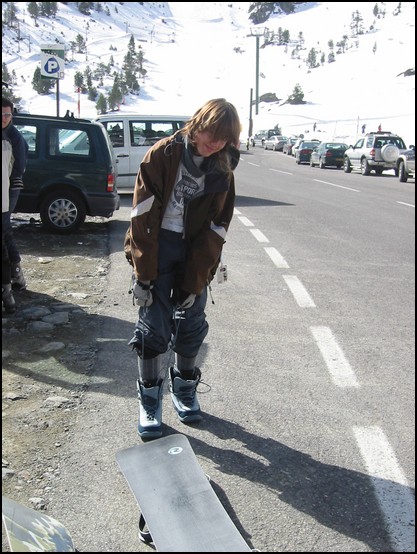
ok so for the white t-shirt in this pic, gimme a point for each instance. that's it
(186, 188)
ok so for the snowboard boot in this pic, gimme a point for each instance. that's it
(18, 279)
(9, 303)
(150, 411)
(184, 395)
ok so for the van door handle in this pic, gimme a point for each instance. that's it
(122, 155)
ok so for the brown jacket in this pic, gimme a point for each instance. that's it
(206, 220)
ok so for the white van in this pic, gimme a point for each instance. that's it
(131, 136)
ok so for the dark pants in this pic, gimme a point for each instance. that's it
(14, 255)
(156, 325)
(5, 262)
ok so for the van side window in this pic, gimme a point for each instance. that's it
(29, 133)
(147, 133)
(115, 132)
(63, 141)
(138, 134)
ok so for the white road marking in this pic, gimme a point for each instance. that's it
(300, 294)
(333, 185)
(246, 222)
(236, 211)
(256, 165)
(405, 204)
(276, 257)
(258, 235)
(279, 171)
(338, 366)
(392, 490)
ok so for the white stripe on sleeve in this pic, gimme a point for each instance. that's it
(221, 231)
(142, 208)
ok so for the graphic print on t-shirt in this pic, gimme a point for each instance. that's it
(186, 188)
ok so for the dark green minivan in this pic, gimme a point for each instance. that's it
(71, 171)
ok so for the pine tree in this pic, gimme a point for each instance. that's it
(312, 59)
(115, 96)
(297, 96)
(42, 86)
(101, 104)
(33, 11)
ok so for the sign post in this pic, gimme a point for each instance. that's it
(53, 65)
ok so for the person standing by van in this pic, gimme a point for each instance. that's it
(182, 206)
(8, 300)
(19, 159)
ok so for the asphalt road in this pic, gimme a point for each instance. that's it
(308, 434)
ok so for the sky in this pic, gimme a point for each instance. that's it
(197, 51)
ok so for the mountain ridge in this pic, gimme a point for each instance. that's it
(175, 40)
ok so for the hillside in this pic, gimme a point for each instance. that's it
(192, 52)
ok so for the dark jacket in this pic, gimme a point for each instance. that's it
(206, 219)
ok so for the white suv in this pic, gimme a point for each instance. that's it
(377, 152)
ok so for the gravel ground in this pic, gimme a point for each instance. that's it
(47, 342)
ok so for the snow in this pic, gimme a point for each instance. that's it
(190, 57)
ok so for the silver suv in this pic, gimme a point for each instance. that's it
(377, 152)
(406, 164)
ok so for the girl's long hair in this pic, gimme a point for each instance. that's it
(221, 119)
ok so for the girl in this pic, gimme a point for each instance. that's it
(182, 207)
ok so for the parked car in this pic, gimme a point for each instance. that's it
(244, 144)
(328, 154)
(275, 142)
(406, 164)
(304, 150)
(377, 151)
(287, 148)
(131, 136)
(258, 138)
(71, 171)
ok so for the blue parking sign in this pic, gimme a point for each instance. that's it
(52, 61)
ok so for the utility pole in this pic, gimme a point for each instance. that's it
(257, 32)
(250, 114)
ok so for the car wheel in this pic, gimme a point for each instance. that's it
(365, 169)
(402, 174)
(347, 168)
(62, 212)
(322, 165)
(390, 153)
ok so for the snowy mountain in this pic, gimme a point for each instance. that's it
(193, 52)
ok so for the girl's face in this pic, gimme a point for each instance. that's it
(6, 116)
(206, 146)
